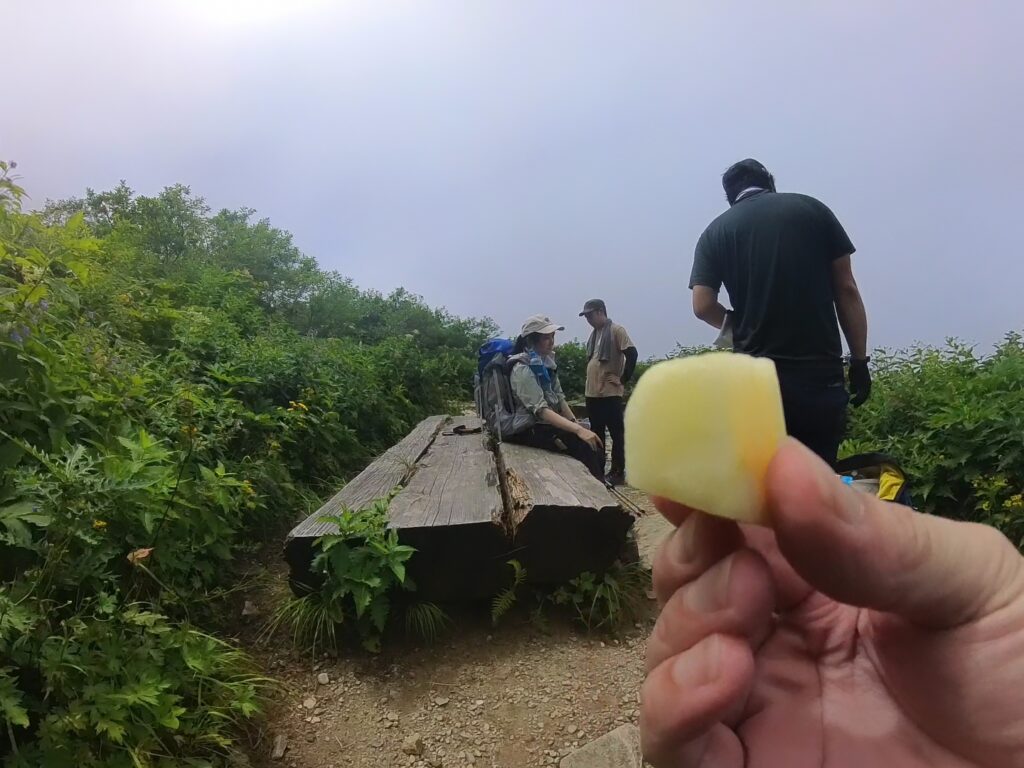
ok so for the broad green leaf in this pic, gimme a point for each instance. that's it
(362, 597)
(379, 609)
(197, 655)
(10, 454)
(114, 730)
(12, 706)
(169, 717)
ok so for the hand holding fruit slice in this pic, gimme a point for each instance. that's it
(702, 430)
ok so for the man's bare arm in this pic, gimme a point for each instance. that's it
(707, 307)
(853, 317)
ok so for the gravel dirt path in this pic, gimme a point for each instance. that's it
(512, 696)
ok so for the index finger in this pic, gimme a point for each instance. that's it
(698, 543)
(792, 589)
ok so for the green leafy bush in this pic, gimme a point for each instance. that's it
(359, 568)
(955, 420)
(174, 385)
(123, 686)
(572, 369)
(362, 564)
(606, 601)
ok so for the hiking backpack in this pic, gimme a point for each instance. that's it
(492, 391)
(877, 473)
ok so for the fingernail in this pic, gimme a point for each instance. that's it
(699, 665)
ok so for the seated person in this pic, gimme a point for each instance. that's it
(536, 388)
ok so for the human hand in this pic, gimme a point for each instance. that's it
(860, 382)
(590, 438)
(857, 633)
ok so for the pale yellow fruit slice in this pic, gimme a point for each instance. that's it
(702, 430)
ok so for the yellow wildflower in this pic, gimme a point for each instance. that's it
(99, 525)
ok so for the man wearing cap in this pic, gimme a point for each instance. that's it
(611, 360)
(784, 259)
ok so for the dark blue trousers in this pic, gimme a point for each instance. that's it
(815, 405)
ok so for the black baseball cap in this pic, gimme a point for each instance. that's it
(594, 305)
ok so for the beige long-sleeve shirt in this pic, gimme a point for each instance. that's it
(532, 396)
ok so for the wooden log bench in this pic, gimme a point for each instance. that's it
(468, 507)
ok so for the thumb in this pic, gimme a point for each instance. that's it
(874, 554)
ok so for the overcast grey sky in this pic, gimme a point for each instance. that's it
(518, 157)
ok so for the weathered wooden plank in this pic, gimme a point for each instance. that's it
(388, 471)
(554, 479)
(451, 511)
(456, 483)
(563, 521)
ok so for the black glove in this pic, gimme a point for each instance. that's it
(860, 382)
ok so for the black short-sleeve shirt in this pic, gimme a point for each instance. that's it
(774, 253)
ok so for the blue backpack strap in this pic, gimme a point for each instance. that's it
(540, 371)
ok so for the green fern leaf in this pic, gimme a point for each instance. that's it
(11, 702)
(379, 610)
(503, 601)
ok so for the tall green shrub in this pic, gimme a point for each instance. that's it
(173, 385)
(955, 419)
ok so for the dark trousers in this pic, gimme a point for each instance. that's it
(815, 406)
(606, 414)
(548, 438)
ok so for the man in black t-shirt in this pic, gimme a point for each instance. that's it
(784, 259)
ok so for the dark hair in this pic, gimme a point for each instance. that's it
(745, 173)
(530, 340)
